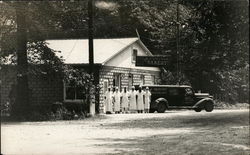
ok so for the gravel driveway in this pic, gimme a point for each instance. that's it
(174, 132)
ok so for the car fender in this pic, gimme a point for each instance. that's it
(161, 100)
(202, 102)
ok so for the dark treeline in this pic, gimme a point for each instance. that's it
(214, 41)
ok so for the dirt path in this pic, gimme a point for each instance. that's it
(174, 132)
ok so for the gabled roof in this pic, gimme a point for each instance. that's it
(75, 51)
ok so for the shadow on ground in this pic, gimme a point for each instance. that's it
(188, 121)
(205, 134)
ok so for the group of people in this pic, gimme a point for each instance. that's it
(127, 101)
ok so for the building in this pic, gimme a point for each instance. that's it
(114, 66)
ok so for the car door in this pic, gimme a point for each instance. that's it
(188, 97)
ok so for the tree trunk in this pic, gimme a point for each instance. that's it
(21, 107)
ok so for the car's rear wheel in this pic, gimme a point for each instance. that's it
(151, 110)
(209, 107)
(161, 107)
(197, 109)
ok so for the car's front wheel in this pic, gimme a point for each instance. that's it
(209, 107)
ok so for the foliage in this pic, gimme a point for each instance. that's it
(214, 41)
(235, 84)
(60, 114)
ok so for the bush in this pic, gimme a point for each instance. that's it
(62, 112)
(226, 105)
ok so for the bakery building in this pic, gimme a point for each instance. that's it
(114, 65)
(114, 62)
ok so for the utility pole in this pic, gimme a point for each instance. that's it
(91, 97)
(177, 42)
(21, 106)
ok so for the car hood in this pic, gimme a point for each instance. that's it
(203, 95)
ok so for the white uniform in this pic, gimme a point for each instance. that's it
(124, 99)
(117, 101)
(147, 95)
(132, 101)
(108, 101)
(140, 102)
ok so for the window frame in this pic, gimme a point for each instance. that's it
(64, 95)
(134, 54)
(142, 79)
(105, 81)
(153, 79)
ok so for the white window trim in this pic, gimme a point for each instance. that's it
(105, 80)
(64, 95)
(133, 61)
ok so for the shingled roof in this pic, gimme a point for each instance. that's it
(75, 51)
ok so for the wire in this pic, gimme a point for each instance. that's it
(72, 49)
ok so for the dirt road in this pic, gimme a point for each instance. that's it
(174, 132)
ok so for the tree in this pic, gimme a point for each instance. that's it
(213, 34)
(22, 101)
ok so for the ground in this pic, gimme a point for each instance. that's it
(174, 132)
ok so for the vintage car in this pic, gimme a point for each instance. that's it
(178, 97)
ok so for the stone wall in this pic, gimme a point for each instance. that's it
(107, 74)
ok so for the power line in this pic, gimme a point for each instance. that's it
(72, 49)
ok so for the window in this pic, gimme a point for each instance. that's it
(72, 92)
(105, 85)
(134, 54)
(142, 79)
(188, 92)
(173, 91)
(152, 79)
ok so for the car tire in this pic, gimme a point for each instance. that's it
(151, 110)
(209, 107)
(161, 107)
(197, 109)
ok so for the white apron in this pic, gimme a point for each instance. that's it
(124, 100)
(140, 102)
(132, 101)
(147, 100)
(108, 101)
(117, 99)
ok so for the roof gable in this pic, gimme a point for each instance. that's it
(75, 51)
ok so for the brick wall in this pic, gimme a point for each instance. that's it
(42, 91)
(107, 73)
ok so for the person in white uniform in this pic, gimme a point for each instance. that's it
(132, 100)
(117, 101)
(108, 101)
(147, 96)
(140, 100)
(124, 104)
